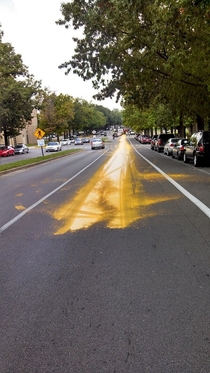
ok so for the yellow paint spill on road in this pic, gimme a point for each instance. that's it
(114, 195)
(19, 207)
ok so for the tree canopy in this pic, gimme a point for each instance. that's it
(144, 50)
(18, 92)
(56, 113)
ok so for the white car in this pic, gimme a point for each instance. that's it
(97, 144)
(53, 147)
(65, 142)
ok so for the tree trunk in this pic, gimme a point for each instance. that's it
(5, 138)
(200, 123)
(181, 126)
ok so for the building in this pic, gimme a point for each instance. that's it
(27, 134)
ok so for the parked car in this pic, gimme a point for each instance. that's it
(198, 149)
(78, 141)
(144, 139)
(97, 144)
(86, 139)
(65, 142)
(152, 142)
(72, 140)
(161, 140)
(169, 145)
(179, 148)
(53, 146)
(21, 149)
(6, 151)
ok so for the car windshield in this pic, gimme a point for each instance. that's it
(52, 143)
(97, 140)
(19, 146)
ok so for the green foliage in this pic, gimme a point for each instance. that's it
(87, 117)
(57, 112)
(63, 114)
(18, 92)
(144, 50)
(113, 117)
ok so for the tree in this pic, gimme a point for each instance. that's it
(64, 109)
(113, 117)
(144, 49)
(56, 113)
(18, 92)
(87, 117)
(47, 116)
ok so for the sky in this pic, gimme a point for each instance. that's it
(29, 26)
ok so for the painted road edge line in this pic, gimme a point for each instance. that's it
(192, 198)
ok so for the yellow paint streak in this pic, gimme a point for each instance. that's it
(19, 195)
(114, 195)
(19, 207)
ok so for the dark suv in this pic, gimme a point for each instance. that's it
(161, 140)
(198, 149)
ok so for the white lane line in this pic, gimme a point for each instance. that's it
(19, 216)
(193, 199)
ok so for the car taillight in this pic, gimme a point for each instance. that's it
(201, 149)
(181, 147)
(159, 142)
(171, 144)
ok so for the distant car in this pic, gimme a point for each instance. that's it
(169, 145)
(78, 141)
(72, 140)
(6, 151)
(179, 148)
(53, 146)
(97, 144)
(65, 142)
(21, 149)
(86, 139)
(144, 139)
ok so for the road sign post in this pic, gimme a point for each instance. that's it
(39, 135)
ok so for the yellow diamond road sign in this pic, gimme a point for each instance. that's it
(39, 133)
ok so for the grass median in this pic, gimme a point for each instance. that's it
(33, 161)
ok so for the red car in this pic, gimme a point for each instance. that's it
(144, 139)
(6, 151)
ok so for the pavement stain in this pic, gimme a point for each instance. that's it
(114, 195)
(20, 207)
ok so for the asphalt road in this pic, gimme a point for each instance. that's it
(105, 264)
(37, 152)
